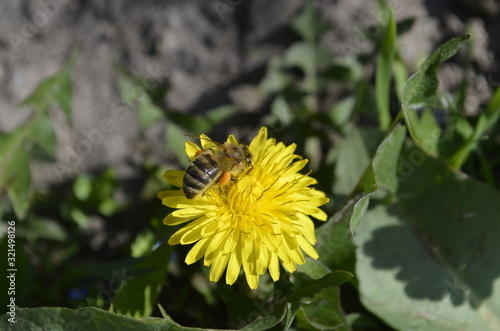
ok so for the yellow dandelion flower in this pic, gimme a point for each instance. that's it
(256, 222)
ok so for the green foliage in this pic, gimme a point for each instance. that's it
(410, 242)
(24, 144)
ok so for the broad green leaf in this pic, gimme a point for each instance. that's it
(137, 296)
(485, 122)
(87, 318)
(309, 24)
(431, 261)
(383, 74)
(420, 91)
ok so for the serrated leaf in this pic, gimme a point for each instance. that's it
(87, 318)
(420, 91)
(137, 296)
(430, 261)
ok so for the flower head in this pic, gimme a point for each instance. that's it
(257, 221)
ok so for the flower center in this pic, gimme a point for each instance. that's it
(245, 196)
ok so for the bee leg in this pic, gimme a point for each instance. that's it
(225, 178)
(198, 153)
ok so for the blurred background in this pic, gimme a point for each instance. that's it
(131, 78)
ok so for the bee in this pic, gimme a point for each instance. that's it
(221, 163)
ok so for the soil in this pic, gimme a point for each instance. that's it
(211, 53)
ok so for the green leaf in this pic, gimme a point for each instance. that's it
(40, 228)
(325, 310)
(202, 124)
(133, 94)
(18, 181)
(148, 112)
(383, 74)
(303, 289)
(382, 172)
(431, 261)
(341, 112)
(87, 318)
(352, 159)
(307, 57)
(308, 24)
(420, 91)
(55, 89)
(400, 73)
(175, 140)
(137, 296)
(485, 122)
(62, 89)
(42, 133)
(276, 79)
(143, 243)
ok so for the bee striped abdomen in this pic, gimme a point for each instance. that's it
(200, 175)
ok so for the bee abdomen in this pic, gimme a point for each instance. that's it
(199, 176)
